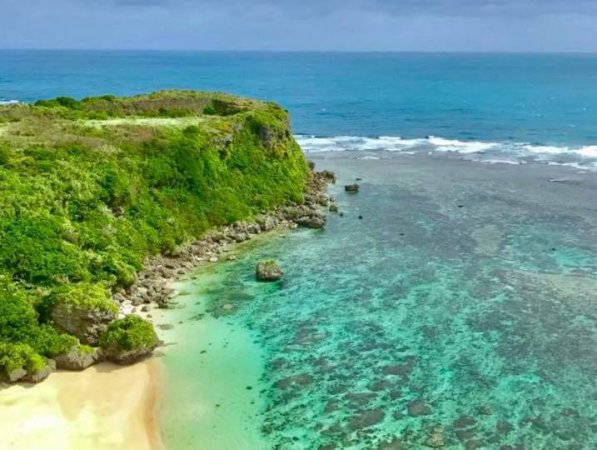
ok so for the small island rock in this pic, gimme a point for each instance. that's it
(352, 187)
(268, 271)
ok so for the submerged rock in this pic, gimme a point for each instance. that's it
(268, 271)
(436, 438)
(419, 408)
(352, 187)
(393, 444)
(464, 422)
(302, 379)
(359, 398)
(366, 419)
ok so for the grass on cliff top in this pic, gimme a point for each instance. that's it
(90, 188)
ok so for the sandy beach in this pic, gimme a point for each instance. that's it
(104, 407)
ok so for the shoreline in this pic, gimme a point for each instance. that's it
(152, 287)
(103, 407)
(109, 406)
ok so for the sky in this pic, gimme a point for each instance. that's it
(297, 25)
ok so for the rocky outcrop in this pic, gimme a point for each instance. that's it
(78, 358)
(127, 357)
(315, 220)
(15, 375)
(81, 321)
(128, 340)
(328, 176)
(268, 271)
(352, 188)
(41, 374)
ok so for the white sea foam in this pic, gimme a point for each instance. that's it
(590, 151)
(492, 152)
(460, 146)
(502, 161)
(9, 102)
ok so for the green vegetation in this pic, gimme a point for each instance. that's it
(88, 296)
(20, 323)
(14, 357)
(90, 188)
(126, 335)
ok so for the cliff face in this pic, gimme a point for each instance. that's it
(89, 189)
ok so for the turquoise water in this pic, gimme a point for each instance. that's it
(461, 313)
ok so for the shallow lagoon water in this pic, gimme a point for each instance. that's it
(460, 312)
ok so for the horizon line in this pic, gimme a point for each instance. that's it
(175, 50)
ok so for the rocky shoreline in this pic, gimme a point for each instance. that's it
(152, 288)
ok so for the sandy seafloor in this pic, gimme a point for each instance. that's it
(459, 312)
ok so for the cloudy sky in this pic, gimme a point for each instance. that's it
(384, 25)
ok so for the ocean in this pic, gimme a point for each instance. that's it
(496, 107)
(458, 312)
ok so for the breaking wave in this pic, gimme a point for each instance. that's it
(583, 157)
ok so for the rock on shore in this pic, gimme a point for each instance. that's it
(79, 358)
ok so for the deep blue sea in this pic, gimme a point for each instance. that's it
(515, 106)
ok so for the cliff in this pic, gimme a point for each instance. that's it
(90, 189)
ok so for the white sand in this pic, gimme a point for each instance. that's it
(104, 407)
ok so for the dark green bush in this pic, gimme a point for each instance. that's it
(15, 356)
(4, 155)
(128, 334)
(19, 323)
(89, 296)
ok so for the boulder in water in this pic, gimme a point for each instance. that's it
(268, 271)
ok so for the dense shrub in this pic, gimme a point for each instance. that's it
(90, 296)
(16, 356)
(19, 323)
(127, 334)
